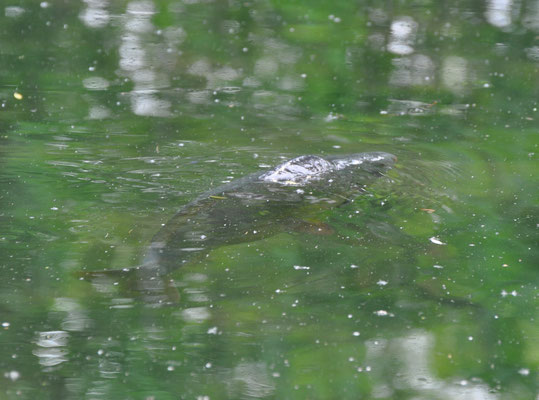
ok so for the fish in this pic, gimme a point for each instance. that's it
(286, 198)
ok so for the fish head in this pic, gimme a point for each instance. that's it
(299, 171)
(356, 170)
(372, 161)
(337, 173)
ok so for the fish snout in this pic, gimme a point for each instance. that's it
(382, 159)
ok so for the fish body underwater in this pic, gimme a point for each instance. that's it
(260, 205)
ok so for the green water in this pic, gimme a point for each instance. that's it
(113, 115)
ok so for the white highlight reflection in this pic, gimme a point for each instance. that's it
(499, 12)
(138, 65)
(49, 353)
(403, 34)
(95, 15)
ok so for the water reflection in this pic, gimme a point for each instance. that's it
(95, 15)
(403, 36)
(50, 351)
(413, 355)
(499, 12)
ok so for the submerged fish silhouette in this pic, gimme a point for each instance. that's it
(254, 207)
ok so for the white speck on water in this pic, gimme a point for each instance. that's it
(44, 4)
(208, 365)
(336, 146)
(303, 76)
(277, 290)
(486, 85)
(470, 338)
(170, 368)
(212, 331)
(438, 267)
(383, 112)
(353, 266)
(13, 375)
(381, 282)
(435, 240)
(513, 293)
(5, 325)
(356, 333)
(299, 267)
(524, 371)
(203, 237)
(350, 316)
(383, 313)
(54, 208)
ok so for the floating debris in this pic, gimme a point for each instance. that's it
(435, 240)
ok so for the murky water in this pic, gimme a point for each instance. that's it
(115, 115)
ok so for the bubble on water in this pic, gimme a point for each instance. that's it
(524, 371)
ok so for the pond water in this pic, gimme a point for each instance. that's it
(115, 115)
